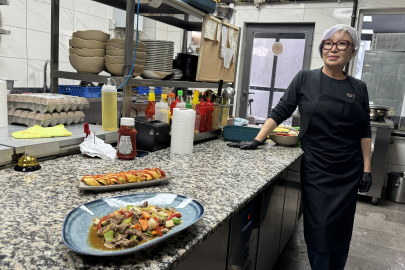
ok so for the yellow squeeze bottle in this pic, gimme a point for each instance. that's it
(195, 99)
(109, 107)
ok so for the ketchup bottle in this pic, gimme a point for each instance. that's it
(203, 112)
(210, 109)
(173, 105)
(126, 145)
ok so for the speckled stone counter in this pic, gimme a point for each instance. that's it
(34, 205)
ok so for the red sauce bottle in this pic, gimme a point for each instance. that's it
(174, 104)
(210, 110)
(150, 110)
(126, 145)
(203, 112)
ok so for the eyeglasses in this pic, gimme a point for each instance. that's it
(341, 45)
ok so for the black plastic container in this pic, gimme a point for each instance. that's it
(152, 134)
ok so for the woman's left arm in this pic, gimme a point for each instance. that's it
(366, 149)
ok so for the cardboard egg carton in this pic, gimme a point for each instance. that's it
(47, 103)
(31, 118)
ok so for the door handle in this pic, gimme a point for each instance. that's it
(248, 93)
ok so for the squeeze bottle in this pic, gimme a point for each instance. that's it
(173, 104)
(109, 106)
(126, 145)
(210, 109)
(181, 103)
(162, 111)
(150, 109)
(195, 99)
(203, 112)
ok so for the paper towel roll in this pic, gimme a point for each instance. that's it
(3, 104)
(182, 131)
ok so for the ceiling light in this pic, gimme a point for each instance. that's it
(367, 19)
(367, 31)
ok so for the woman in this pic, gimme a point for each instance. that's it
(336, 139)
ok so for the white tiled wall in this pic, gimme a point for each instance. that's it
(24, 51)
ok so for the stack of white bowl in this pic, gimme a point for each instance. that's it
(159, 58)
(115, 57)
(87, 50)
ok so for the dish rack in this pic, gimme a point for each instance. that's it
(74, 90)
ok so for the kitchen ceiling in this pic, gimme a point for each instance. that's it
(386, 23)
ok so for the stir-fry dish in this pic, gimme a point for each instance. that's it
(133, 176)
(133, 225)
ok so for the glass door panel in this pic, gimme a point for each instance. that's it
(262, 62)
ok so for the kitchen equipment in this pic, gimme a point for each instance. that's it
(84, 43)
(76, 228)
(224, 12)
(284, 140)
(395, 190)
(207, 6)
(159, 59)
(117, 69)
(10, 85)
(239, 133)
(378, 113)
(152, 134)
(27, 164)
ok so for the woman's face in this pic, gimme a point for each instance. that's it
(334, 57)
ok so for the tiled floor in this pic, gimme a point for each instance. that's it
(378, 240)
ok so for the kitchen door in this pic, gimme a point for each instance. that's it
(274, 53)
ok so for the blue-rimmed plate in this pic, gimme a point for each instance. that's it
(77, 223)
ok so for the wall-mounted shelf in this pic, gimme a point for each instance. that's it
(4, 2)
(4, 32)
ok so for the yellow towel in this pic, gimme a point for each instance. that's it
(41, 132)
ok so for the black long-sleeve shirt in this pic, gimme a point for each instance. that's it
(303, 92)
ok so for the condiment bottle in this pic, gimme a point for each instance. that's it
(210, 109)
(173, 104)
(164, 97)
(215, 116)
(203, 112)
(126, 145)
(150, 109)
(197, 117)
(188, 104)
(181, 103)
(170, 99)
(162, 111)
(109, 107)
(195, 99)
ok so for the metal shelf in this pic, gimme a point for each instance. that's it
(4, 31)
(135, 82)
(4, 2)
(165, 12)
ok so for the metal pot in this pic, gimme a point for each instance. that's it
(224, 12)
(378, 112)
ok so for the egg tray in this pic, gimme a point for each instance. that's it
(30, 118)
(47, 103)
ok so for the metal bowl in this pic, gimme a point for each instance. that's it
(284, 140)
(223, 12)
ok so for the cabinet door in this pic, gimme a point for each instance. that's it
(270, 228)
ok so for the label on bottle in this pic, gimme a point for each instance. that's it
(125, 147)
(197, 122)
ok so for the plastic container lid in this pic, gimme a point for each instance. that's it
(109, 87)
(127, 121)
(172, 95)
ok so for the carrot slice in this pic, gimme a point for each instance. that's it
(154, 232)
(146, 215)
(144, 224)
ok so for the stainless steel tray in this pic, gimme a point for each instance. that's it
(83, 186)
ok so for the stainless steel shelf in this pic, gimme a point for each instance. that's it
(135, 82)
(4, 32)
(164, 13)
(4, 2)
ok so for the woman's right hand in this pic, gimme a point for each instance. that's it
(246, 145)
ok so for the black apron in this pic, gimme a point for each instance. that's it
(331, 168)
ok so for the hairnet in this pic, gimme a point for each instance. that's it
(344, 28)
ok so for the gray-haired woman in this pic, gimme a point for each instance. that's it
(336, 139)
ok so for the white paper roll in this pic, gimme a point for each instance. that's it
(182, 131)
(3, 104)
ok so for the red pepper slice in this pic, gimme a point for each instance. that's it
(104, 218)
(177, 215)
(281, 134)
(127, 214)
(158, 228)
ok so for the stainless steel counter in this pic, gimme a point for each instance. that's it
(43, 147)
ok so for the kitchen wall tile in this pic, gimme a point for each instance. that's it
(381, 3)
(14, 69)
(66, 22)
(92, 8)
(161, 34)
(327, 17)
(148, 33)
(15, 44)
(39, 45)
(67, 4)
(64, 48)
(171, 28)
(315, 45)
(280, 5)
(281, 15)
(65, 67)
(148, 22)
(36, 73)
(15, 14)
(161, 26)
(329, 4)
(83, 21)
(38, 16)
(176, 37)
(246, 15)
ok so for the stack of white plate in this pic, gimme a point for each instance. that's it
(159, 58)
(115, 54)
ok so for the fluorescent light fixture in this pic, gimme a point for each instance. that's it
(367, 19)
(367, 31)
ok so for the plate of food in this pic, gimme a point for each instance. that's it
(123, 180)
(128, 223)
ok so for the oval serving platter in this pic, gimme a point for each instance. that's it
(83, 186)
(76, 225)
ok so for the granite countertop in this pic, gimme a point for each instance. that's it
(34, 205)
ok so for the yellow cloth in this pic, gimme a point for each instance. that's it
(41, 132)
